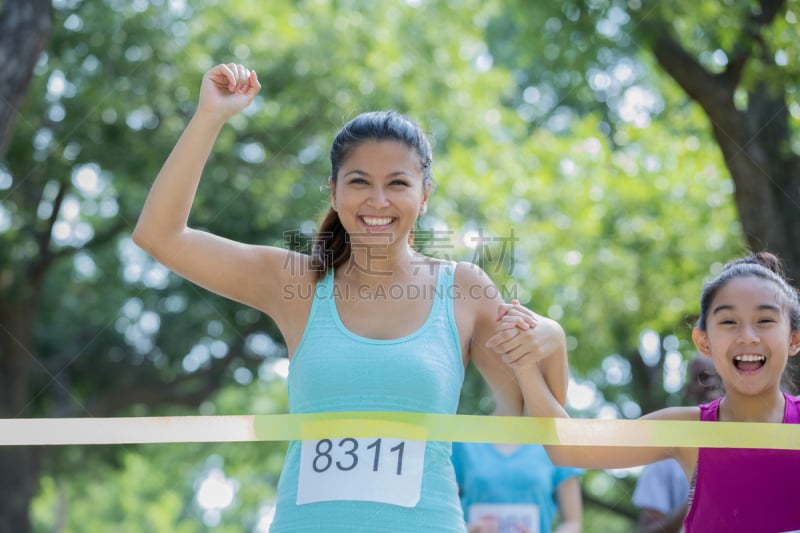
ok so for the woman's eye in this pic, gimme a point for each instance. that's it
(399, 182)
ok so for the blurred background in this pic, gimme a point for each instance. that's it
(599, 159)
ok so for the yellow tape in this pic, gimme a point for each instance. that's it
(414, 426)
(353, 427)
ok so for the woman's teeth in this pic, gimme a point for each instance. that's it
(376, 221)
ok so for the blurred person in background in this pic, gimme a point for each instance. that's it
(515, 488)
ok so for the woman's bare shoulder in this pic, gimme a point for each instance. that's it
(473, 281)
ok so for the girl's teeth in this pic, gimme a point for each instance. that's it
(749, 358)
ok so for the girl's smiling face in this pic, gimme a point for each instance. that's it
(748, 335)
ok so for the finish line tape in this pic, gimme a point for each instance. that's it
(403, 425)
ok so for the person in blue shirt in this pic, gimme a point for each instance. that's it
(513, 488)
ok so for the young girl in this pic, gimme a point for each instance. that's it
(749, 325)
(369, 324)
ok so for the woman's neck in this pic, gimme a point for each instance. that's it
(377, 265)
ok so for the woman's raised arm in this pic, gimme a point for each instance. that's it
(253, 275)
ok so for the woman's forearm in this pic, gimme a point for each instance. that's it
(166, 210)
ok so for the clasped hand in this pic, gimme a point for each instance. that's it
(524, 338)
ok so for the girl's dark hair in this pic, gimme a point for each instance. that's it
(331, 246)
(763, 265)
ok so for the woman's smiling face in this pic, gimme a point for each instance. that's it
(379, 193)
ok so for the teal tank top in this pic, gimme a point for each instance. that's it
(334, 369)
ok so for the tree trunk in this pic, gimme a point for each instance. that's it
(754, 140)
(19, 466)
(19, 472)
(25, 27)
(766, 174)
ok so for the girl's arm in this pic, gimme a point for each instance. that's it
(541, 402)
(519, 349)
(544, 338)
(249, 274)
(523, 337)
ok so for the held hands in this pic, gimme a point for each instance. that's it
(524, 338)
(227, 89)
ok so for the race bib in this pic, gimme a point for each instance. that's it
(383, 470)
(510, 517)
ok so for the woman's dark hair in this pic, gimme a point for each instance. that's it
(331, 246)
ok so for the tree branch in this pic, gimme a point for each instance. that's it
(751, 37)
(714, 93)
(47, 257)
(189, 390)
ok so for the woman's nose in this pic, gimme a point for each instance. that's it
(377, 197)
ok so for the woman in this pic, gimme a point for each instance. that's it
(387, 329)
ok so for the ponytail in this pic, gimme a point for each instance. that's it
(331, 246)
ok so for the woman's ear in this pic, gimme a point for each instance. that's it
(332, 189)
(700, 339)
(426, 193)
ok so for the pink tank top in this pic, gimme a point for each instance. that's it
(747, 490)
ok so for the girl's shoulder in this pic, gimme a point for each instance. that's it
(792, 409)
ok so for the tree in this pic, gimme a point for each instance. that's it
(731, 58)
(746, 97)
